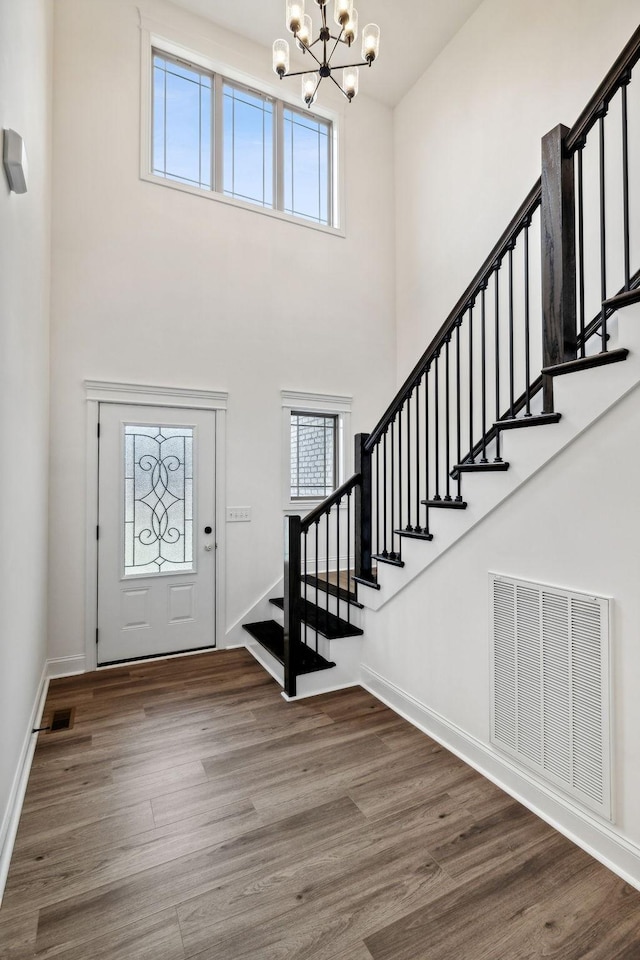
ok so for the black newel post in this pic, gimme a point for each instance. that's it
(558, 257)
(291, 603)
(362, 519)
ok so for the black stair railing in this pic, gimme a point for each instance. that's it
(490, 366)
(476, 370)
(599, 151)
(320, 567)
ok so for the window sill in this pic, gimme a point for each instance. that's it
(241, 204)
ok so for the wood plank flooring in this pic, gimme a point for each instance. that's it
(192, 813)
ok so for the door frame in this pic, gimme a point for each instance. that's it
(105, 391)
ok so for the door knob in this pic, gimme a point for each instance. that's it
(208, 547)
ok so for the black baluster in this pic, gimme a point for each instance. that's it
(338, 559)
(427, 452)
(326, 564)
(447, 444)
(392, 553)
(471, 458)
(511, 344)
(349, 557)
(317, 559)
(436, 423)
(409, 526)
(483, 357)
(458, 409)
(527, 345)
(581, 248)
(304, 601)
(385, 552)
(603, 229)
(378, 498)
(625, 178)
(418, 526)
(497, 458)
(400, 468)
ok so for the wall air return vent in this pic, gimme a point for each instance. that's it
(550, 686)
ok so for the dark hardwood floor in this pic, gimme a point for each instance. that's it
(192, 813)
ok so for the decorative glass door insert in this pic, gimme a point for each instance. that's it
(158, 499)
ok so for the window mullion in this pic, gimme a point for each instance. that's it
(278, 155)
(217, 151)
(331, 218)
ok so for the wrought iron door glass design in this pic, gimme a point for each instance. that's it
(158, 499)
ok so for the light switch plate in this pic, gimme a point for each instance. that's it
(238, 514)
(14, 157)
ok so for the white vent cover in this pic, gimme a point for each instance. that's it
(550, 686)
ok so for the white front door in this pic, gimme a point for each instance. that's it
(156, 532)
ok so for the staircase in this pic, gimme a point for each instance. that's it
(435, 464)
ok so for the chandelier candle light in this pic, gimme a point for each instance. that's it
(301, 26)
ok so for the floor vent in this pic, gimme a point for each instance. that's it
(550, 686)
(62, 719)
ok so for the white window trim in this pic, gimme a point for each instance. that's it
(150, 40)
(328, 404)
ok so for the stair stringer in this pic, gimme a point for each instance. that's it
(582, 398)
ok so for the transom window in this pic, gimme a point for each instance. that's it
(314, 466)
(216, 135)
(182, 123)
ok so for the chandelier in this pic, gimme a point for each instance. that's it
(326, 45)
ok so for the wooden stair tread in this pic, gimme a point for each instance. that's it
(534, 420)
(586, 363)
(492, 466)
(372, 584)
(443, 504)
(624, 299)
(388, 559)
(414, 534)
(333, 589)
(321, 620)
(270, 635)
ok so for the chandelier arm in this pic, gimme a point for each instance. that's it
(346, 66)
(335, 47)
(317, 60)
(298, 73)
(339, 87)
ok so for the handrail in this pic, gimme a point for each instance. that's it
(330, 502)
(517, 223)
(604, 94)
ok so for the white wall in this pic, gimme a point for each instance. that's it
(467, 140)
(25, 63)
(156, 286)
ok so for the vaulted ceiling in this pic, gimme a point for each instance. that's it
(413, 32)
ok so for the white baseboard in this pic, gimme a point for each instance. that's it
(320, 693)
(594, 836)
(11, 816)
(66, 666)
